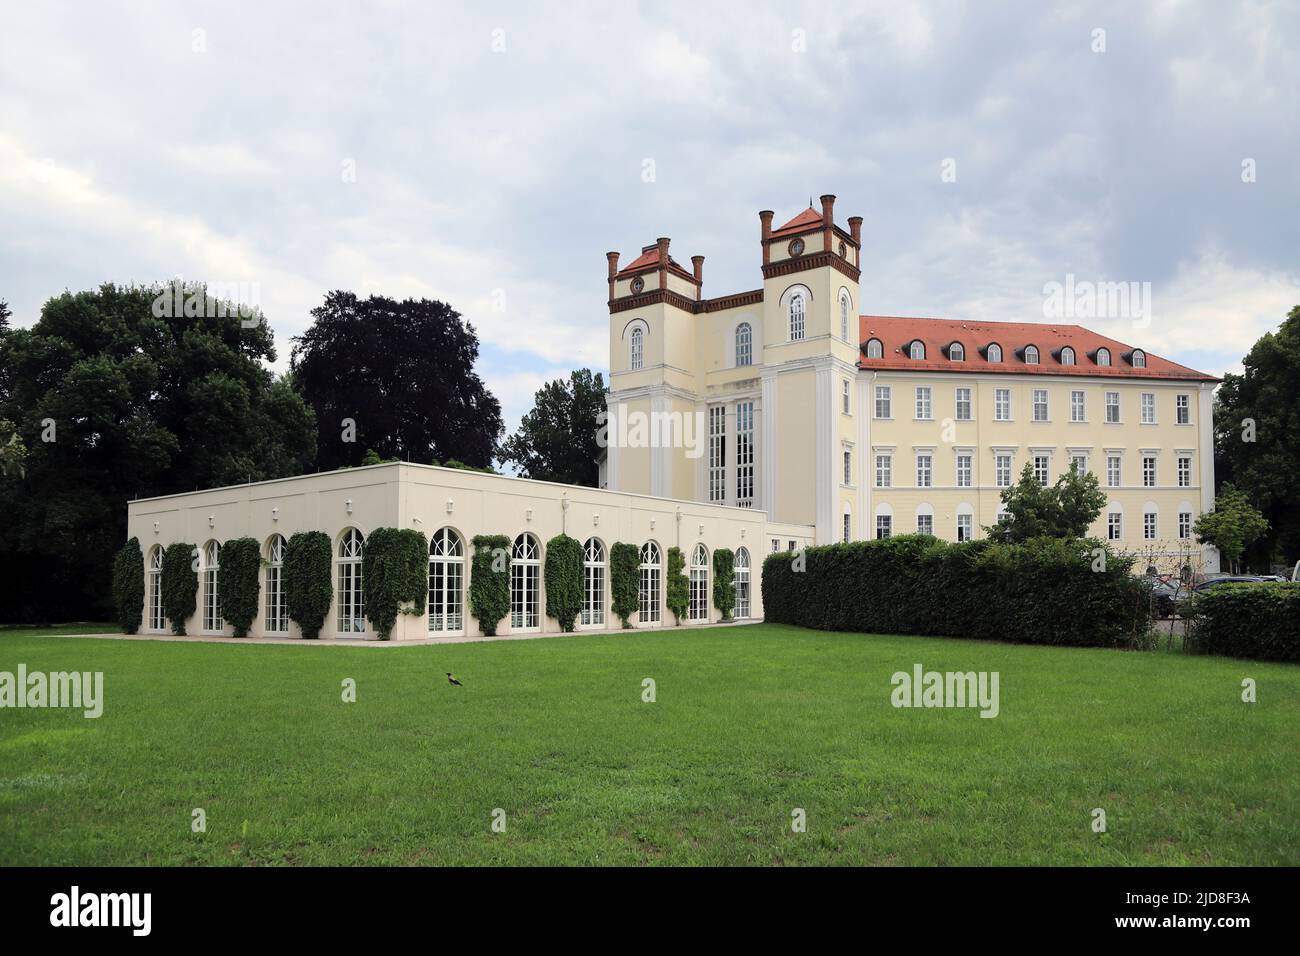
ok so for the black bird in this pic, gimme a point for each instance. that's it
(452, 680)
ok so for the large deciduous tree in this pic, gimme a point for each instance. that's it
(126, 392)
(557, 440)
(1063, 510)
(395, 378)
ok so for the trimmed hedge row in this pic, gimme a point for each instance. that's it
(489, 581)
(307, 576)
(562, 576)
(180, 584)
(1260, 621)
(240, 583)
(394, 572)
(724, 581)
(624, 580)
(128, 586)
(678, 585)
(1044, 591)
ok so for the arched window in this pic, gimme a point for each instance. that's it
(994, 352)
(593, 583)
(956, 352)
(638, 350)
(796, 317)
(742, 582)
(875, 348)
(844, 317)
(650, 602)
(744, 344)
(157, 620)
(917, 350)
(1067, 356)
(446, 583)
(212, 621)
(275, 619)
(1103, 356)
(525, 571)
(1139, 358)
(699, 606)
(351, 604)
(1031, 354)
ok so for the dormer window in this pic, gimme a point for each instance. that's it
(917, 350)
(1031, 354)
(956, 352)
(994, 352)
(1067, 356)
(1138, 358)
(875, 349)
(1103, 356)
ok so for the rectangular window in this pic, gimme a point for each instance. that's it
(925, 524)
(845, 397)
(1184, 524)
(848, 527)
(884, 471)
(884, 401)
(1040, 404)
(1042, 469)
(1148, 471)
(1184, 406)
(794, 545)
(745, 454)
(1077, 409)
(1002, 471)
(1149, 526)
(965, 527)
(923, 402)
(717, 453)
(924, 469)
(963, 471)
(884, 525)
(1112, 407)
(1184, 471)
(848, 466)
(963, 405)
(1112, 471)
(1148, 408)
(1002, 404)
(648, 605)
(776, 545)
(1080, 463)
(1114, 526)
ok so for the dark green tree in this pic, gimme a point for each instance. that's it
(624, 573)
(180, 584)
(1034, 510)
(677, 585)
(562, 577)
(1232, 526)
(402, 373)
(395, 569)
(558, 439)
(241, 583)
(724, 581)
(308, 584)
(128, 586)
(489, 581)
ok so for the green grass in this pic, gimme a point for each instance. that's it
(749, 723)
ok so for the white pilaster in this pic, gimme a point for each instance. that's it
(767, 447)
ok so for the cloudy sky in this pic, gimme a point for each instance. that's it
(500, 150)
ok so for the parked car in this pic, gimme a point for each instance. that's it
(1229, 579)
(1168, 597)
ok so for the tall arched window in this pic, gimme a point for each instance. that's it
(917, 350)
(157, 620)
(275, 618)
(844, 317)
(651, 607)
(699, 606)
(351, 604)
(525, 571)
(744, 344)
(638, 350)
(1103, 356)
(796, 317)
(875, 348)
(212, 621)
(994, 352)
(446, 583)
(1067, 356)
(593, 583)
(742, 582)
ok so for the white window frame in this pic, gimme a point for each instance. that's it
(884, 470)
(1040, 402)
(1002, 404)
(742, 584)
(698, 607)
(924, 403)
(275, 614)
(1078, 405)
(1002, 470)
(1148, 407)
(525, 584)
(965, 470)
(1183, 409)
(744, 345)
(797, 318)
(446, 601)
(924, 469)
(593, 583)
(350, 593)
(745, 454)
(963, 401)
(717, 453)
(1112, 402)
(885, 401)
(650, 590)
(636, 349)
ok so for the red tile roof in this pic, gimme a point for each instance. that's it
(896, 333)
(649, 258)
(810, 218)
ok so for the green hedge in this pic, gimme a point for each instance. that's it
(180, 584)
(624, 580)
(489, 581)
(308, 580)
(678, 585)
(1260, 621)
(128, 586)
(562, 577)
(1044, 591)
(240, 583)
(394, 572)
(724, 581)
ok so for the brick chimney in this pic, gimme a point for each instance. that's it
(612, 257)
(828, 220)
(698, 263)
(855, 228)
(765, 217)
(662, 243)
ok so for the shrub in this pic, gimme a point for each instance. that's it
(128, 586)
(489, 581)
(1260, 621)
(724, 581)
(180, 584)
(308, 580)
(678, 585)
(413, 547)
(394, 572)
(624, 572)
(562, 575)
(241, 564)
(1043, 591)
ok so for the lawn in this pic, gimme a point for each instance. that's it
(749, 724)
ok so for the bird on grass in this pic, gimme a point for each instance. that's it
(452, 680)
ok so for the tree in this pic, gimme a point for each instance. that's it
(395, 377)
(562, 575)
(678, 586)
(624, 571)
(307, 576)
(13, 452)
(128, 586)
(1231, 526)
(724, 581)
(127, 392)
(1257, 435)
(489, 581)
(557, 440)
(241, 583)
(1063, 510)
